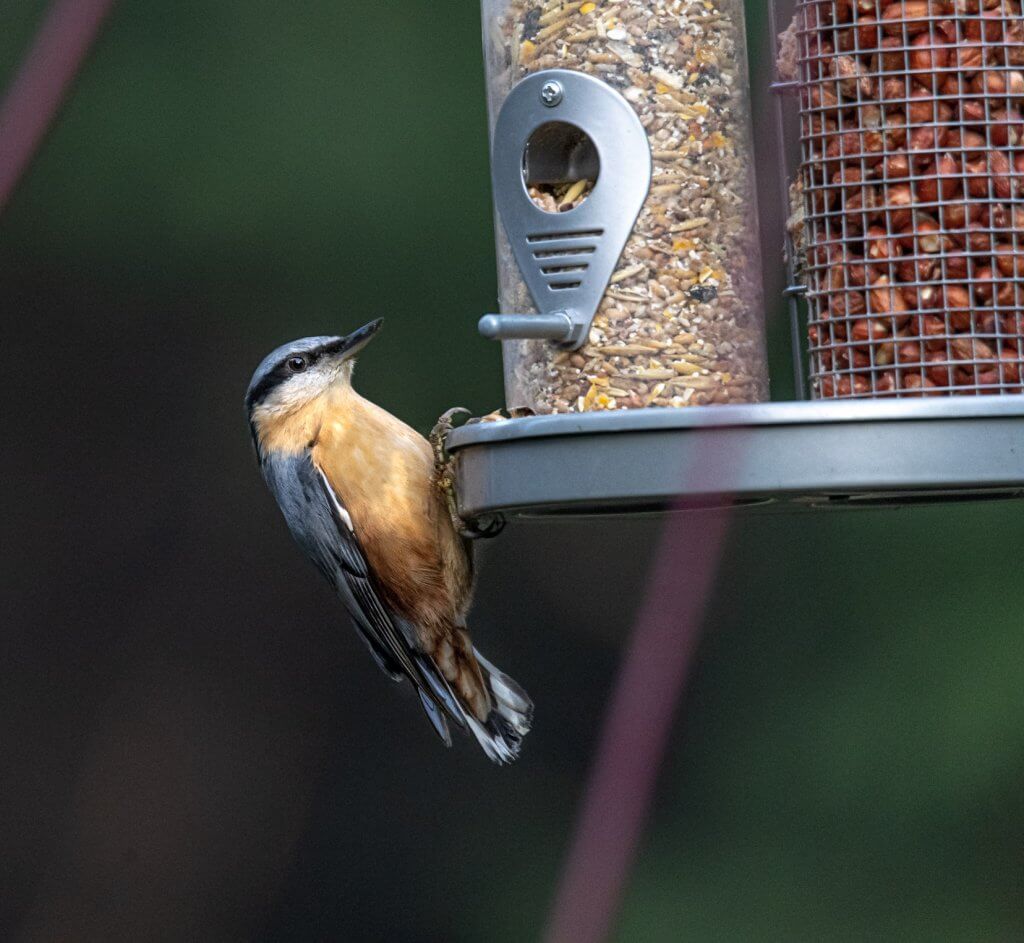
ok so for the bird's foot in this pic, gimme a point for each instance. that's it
(444, 479)
(439, 437)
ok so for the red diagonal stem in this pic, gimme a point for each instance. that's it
(638, 722)
(42, 83)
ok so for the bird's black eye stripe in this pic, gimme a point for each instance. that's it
(295, 363)
(291, 365)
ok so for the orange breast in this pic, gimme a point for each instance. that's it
(382, 470)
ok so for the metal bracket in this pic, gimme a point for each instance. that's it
(566, 259)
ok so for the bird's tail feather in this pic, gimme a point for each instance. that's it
(501, 735)
(436, 717)
(439, 691)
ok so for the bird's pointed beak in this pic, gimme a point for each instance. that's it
(357, 340)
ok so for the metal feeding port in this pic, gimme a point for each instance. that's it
(565, 128)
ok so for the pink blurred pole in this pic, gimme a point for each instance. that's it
(638, 722)
(42, 83)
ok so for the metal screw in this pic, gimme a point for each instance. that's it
(551, 93)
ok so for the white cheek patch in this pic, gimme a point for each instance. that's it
(299, 390)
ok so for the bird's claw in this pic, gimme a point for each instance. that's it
(439, 434)
(482, 528)
(444, 478)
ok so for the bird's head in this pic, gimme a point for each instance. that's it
(299, 372)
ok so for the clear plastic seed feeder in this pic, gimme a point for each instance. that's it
(625, 204)
(631, 308)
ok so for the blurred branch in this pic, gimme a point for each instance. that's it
(42, 83)
(638, 722)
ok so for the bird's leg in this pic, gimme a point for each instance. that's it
(444, 478)
(444, 472)
(438, 437)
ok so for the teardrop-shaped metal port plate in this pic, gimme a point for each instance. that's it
(559, 127)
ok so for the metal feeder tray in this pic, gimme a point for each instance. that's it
(792, 454)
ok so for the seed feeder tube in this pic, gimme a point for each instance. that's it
(622, 169)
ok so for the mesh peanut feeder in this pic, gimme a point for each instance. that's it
(911, 182)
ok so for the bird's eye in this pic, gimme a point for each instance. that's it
(297, 364)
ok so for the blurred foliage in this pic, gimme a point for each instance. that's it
(196, 751)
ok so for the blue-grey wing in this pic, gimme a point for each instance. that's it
(296, 484)
(321, 525)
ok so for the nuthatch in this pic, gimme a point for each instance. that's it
(358, 490)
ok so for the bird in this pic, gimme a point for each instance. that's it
(359, 491)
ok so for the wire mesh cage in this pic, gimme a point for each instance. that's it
(908, 228)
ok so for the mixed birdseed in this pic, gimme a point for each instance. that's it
(681, 323)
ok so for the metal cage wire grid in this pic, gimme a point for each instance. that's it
(911, 242)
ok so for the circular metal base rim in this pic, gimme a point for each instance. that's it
(804, 454)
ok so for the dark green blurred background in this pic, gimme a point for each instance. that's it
(197, 747)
